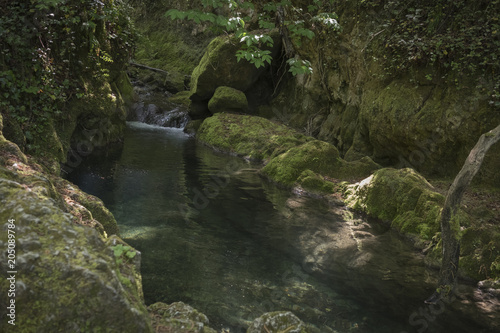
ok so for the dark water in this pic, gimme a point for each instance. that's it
(214, 235)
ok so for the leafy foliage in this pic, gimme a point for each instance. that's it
(457, 37)
(294, 21)
(47, 46)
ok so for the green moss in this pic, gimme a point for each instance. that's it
(249, 136)
(480, 252)
(66, 274)
(318, 156)
(227, 99)
(219, 67)
(182, 98)
(314, 183)
(401, 196)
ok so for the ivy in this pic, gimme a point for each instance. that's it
(46, 46)
(461, 38)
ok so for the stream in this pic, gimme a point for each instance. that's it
(215, 235)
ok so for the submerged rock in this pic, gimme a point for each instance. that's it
(277, 322)
(178, 317)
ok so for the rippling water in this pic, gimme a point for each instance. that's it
(214, 235)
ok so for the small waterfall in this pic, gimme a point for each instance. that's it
(154, 115)
(154, 108)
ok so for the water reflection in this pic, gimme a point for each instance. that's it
(216, 236)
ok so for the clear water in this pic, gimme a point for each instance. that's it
(214, 235)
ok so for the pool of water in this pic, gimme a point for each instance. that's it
(216, 236)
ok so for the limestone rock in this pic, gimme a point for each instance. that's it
(402, 196)
(276, 322)
(227, 99)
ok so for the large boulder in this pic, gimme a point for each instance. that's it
(228, 99)
(220, 67)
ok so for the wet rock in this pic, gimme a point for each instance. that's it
(276, 322)
(228, 99)
(178, 317)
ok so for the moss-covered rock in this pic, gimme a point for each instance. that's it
(248, 136)
(219, 67)
(314, 183)
(227, 99)
(401, 196)
(178, 317)
(277, 322)
(318, 156)
(67, 278)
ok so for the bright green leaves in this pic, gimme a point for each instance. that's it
(295, 20)
(121, 252)
(298, 66)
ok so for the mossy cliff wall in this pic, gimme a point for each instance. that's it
(62, 76)
(426, 117)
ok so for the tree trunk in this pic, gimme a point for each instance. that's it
(449, 233)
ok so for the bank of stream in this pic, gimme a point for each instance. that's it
(215, 235)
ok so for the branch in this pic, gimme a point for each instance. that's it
(451, 244)
(147, 67)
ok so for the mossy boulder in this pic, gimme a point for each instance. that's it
(252, 137)
(314, 183)
(401, 196)
(318, 156)
(277, 322)
(67, 277)
(228, 99)
(220, 67)
(178, 317)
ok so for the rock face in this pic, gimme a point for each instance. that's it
(277, 322)
(403, 120)
(227, 99)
